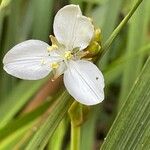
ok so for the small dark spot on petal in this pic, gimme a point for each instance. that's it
(97, 78)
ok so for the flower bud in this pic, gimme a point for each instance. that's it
(78, 113)
(93, 48)
(97, 35)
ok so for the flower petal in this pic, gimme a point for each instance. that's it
(25, 60)
(84, 82)
(72, 29)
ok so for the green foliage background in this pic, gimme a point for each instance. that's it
(31, 120)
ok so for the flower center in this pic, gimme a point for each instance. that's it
(68, 55)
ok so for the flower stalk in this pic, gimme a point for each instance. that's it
(78, 114)
(75, 137)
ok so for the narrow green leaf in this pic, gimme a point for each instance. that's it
(2, 15)
(42, 20)
(88, 132)
(112, 12)
(115, 69)
(8, 82)
(137, 36)
(106, 17)
(16, 100)
(119, 27)
(11, 141)
(56, 141)
(132, 125)
(22, 121)
(43, 134)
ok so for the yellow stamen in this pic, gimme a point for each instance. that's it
(97, 35)
(68, 55)
(53, 40)
(43, 62)
(54, 65)
(53, 47)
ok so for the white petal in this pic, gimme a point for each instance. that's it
(84, 82)
(71, 28)
(25, 60)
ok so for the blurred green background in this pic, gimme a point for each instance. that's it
(122, 64)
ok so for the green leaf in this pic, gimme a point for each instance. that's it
(87, 138)
(11, 141)
(131, 129)
(111, 38)
(47, 128)
(24, 120)
(56, 141)
(7, 81)
(16, 100)
(137, 36)
(107, 17)
(42, 20)
(114, 69)
(113, 8)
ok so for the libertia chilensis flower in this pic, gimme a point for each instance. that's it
(35, 59)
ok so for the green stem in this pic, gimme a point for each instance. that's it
(76, 115)
(75, 137)
(118, 29)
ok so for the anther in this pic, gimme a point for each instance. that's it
(68, 55)
(54, 65)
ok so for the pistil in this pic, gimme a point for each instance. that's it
(68, 55)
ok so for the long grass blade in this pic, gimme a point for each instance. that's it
(137, 37)
(42, 136)
(119, 27)
(16, 100)
(133, 122)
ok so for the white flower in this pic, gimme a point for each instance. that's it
(34, 59)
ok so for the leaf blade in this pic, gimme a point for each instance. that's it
(128, 124)
(16, 100)
(41, 137)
